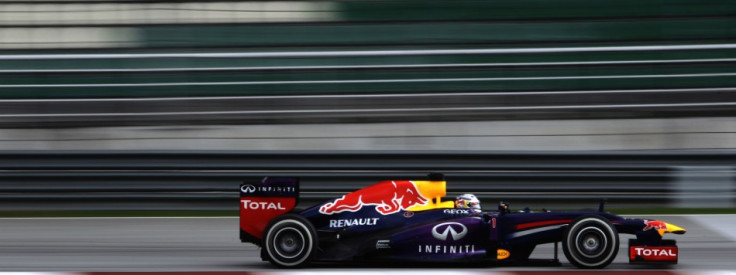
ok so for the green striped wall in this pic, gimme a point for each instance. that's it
(382, 25)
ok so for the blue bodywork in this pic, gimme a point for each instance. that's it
(408, 221)
(406, 235)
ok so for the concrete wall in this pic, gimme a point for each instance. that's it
(615, 134)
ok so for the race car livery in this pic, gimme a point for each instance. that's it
(406, 220)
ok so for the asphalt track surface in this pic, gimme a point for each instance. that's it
(211, 244)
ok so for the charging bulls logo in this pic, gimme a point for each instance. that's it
(388, 197)
(656, 225)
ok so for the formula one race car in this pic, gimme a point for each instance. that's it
(407, 221)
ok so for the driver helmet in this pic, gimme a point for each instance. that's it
(468, 201)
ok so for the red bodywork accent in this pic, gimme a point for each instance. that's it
(257, 212)
(542, 223)
(653, 254)
(388, 197)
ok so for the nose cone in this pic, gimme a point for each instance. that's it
(671, 228)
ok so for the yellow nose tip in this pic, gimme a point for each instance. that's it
(671, 228)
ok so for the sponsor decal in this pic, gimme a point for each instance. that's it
(448, 231)
(446, 249)
(256, 212)
(457, 211)
(352, 222)
(643, 251)
(247, 188)
(383, 244)
(275, 189)
(656, 225)
(408, 214)
(388, 198)
(454, 229)
(261, 202)
(653, 254)
(260, 205)
(502, 254)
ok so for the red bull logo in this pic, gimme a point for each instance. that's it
(656, 225)
(388, 197)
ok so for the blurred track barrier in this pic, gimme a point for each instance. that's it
(361, 72)
(698, 133)
(184, 48)
(122, 12)
(208, 180)
(351, 108)
(699, 186)
(262, 87)
(73, 13)
(272, 62)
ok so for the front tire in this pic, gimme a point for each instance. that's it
(290, 241)
(590, 242)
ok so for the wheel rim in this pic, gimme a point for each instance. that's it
(288, 243)
(591, 242)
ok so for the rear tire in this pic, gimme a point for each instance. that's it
(290, 241)
(590, 242)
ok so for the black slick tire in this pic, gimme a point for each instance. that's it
(590, 242)
(290, 241)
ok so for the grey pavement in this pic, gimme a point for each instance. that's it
(211, 244)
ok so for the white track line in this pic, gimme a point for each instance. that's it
(723, 89)
(397, 66)
(364, 81)
(371, 53)
(405, 110)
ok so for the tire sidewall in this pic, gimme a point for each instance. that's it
(293, 222)
(595, 223)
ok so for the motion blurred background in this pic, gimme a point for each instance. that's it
(632, 100)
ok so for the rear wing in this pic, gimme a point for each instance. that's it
(261, 202)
